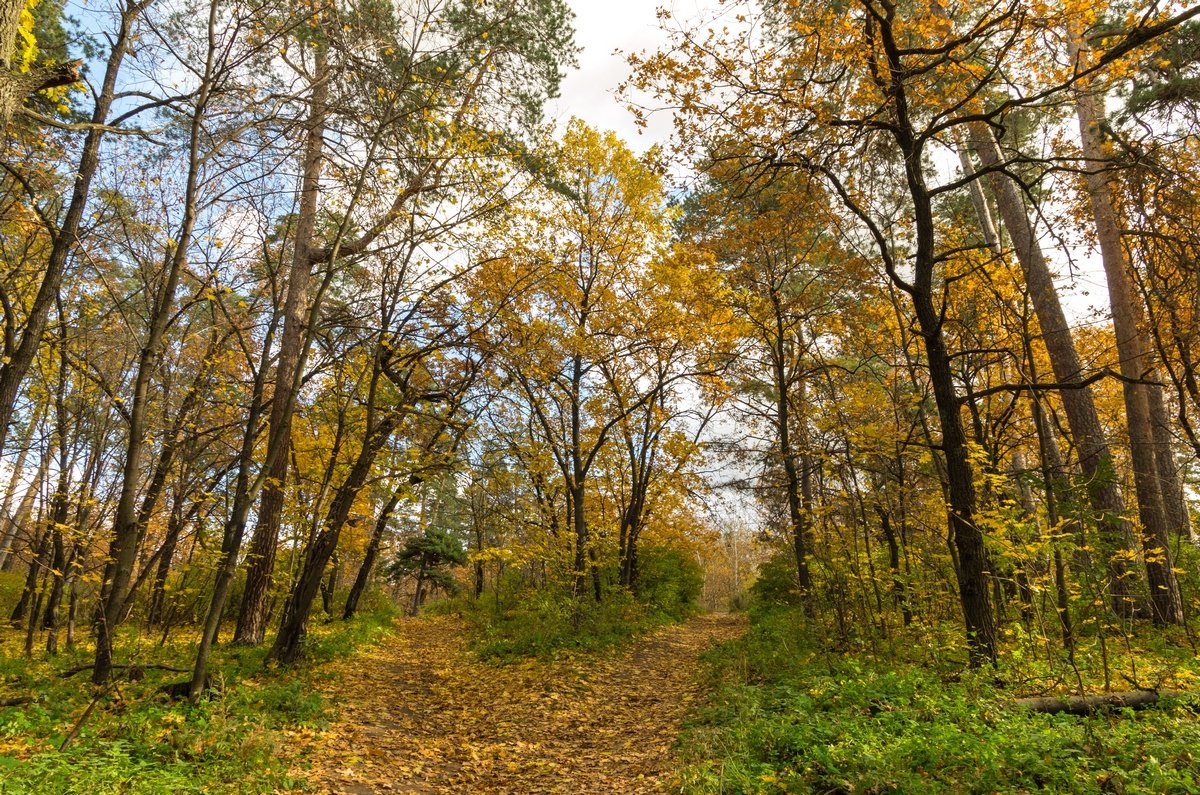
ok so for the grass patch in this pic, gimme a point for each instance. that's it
(243, 739)
(518, 620)
(788, 713)
(540, 624)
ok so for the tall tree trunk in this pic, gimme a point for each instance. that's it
(1137, 364)
(797, 516)
(234, 528)
(967, 539)
(252, 619)
(1095, 458)
(123, 548)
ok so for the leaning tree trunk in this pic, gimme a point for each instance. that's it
(24, 511)
(6, 520)
(19, 358)
(1137, 365)
(1095, 458)
(127, 532)
(289, 644)
(371, 555)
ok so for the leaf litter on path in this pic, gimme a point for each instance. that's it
(419, 715)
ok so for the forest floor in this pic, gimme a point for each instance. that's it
(419, 714)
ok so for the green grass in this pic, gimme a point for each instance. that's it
(524, 621)
(542, 624)
(241, 739)
(787, 714)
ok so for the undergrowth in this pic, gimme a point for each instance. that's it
(514, 622)
(793, 710)
(541, 624)
(241, 738)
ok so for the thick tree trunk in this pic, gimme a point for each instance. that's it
(252, 619)
(1136, 364)
(1095, 458)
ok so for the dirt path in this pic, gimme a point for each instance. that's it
(419, 715)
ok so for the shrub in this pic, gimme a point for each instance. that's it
(669, 581)
(777, 584)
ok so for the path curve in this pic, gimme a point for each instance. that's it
(420, 716)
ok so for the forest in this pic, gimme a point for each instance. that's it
(365, 428)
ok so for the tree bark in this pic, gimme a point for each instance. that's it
(1136, 363)
(1095, 458)
(252, 619)
(1090, 705)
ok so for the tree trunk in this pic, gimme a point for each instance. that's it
(18, 360)
(1090, 705)
(1136, 364)
(289, 644)
(1170, 482)
(368, 564)
(7, 522)
(166, 556)
(126, 536)
(797, 516)
(41, 549)
(1095, 458)
(252, 619)
(25, 510)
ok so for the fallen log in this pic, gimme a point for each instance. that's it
(1089, 705)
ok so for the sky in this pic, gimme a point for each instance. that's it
(602, 27)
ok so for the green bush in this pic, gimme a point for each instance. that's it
(138, 741)
(777, 584)
(670, 581)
